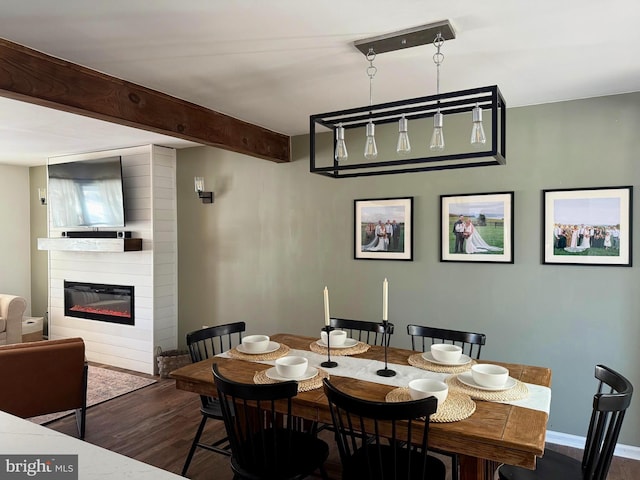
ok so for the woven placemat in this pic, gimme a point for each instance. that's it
(456, 407)
(518, 392)
(303, 386)
(280, 352)
(359, 347)
(417, 360)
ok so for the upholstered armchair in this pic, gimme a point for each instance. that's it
(12, 308)
(44, 377)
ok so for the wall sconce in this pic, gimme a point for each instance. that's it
(207, 197)
(42, 195)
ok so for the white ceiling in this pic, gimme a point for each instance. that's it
(275, 62)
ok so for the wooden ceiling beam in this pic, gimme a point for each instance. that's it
(34, 77)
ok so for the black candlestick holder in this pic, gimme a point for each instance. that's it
(329, 363)
(385, 372)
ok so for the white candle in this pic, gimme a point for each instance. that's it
(326, 306)
(385, 300)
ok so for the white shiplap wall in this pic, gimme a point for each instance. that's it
(150, 200)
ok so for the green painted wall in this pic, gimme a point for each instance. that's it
(276, 235)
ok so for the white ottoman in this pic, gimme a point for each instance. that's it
(32, 329)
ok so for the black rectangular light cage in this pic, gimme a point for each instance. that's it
(489, 99)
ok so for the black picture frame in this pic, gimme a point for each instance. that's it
(486, 232)
(370, 216)
(587, 226)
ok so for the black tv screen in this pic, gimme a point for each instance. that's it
(86, 193)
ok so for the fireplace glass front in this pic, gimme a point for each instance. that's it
(96, 301)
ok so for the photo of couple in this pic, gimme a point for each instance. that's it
(477, 227)
(468, 239)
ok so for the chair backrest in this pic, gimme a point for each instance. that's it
(43, 377)
(210, 341)
(260, 436)
(609, 405)
(381, 440)
(368, 332)
(423, 337)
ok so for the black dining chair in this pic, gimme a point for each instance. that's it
(205, 343)
(372, 333)
(609, 405)
(265, 443)
(383, 440)
(423, 337)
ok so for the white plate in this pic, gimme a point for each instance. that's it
(464, 359)
(272, 373)
(348, 343)
(468, 380)
(273, 346)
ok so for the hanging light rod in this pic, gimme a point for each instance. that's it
(410, 37)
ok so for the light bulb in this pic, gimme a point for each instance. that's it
(478, 138)
(341, 147)
(370, 149)
(437, 139)
(404, 147)
(199, 184)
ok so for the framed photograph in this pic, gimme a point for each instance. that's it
(476, 227)
(383, 228)
(587, 226)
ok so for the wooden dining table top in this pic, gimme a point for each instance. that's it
(495, 433)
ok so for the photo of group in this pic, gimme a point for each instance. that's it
(477, 227)
(587, 226)
(383, 228)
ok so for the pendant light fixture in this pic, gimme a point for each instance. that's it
(478, 138)
(370, 148)
(437, 138)
(482, 148)
(341, 147)
(403, 146)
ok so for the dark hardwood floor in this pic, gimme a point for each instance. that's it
(156, 425)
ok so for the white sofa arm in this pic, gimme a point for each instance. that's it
(12, 308)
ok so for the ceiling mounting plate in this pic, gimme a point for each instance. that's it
(411, 37)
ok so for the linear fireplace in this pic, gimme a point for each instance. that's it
(97, 301)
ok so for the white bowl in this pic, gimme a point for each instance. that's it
(446, 352)
(425, 387)
(291, 366)
(255, 343)
(487, 375)
(337, 337)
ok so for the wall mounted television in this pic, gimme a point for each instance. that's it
(86, 193)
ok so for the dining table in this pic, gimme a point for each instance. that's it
(495, 433)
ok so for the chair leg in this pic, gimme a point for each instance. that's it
(323, 473)
(194, 445)
(81, 413)
(455, 475)
(81, 416)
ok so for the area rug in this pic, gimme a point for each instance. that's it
(102, 385)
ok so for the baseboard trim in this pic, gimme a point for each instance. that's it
(575, 441)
